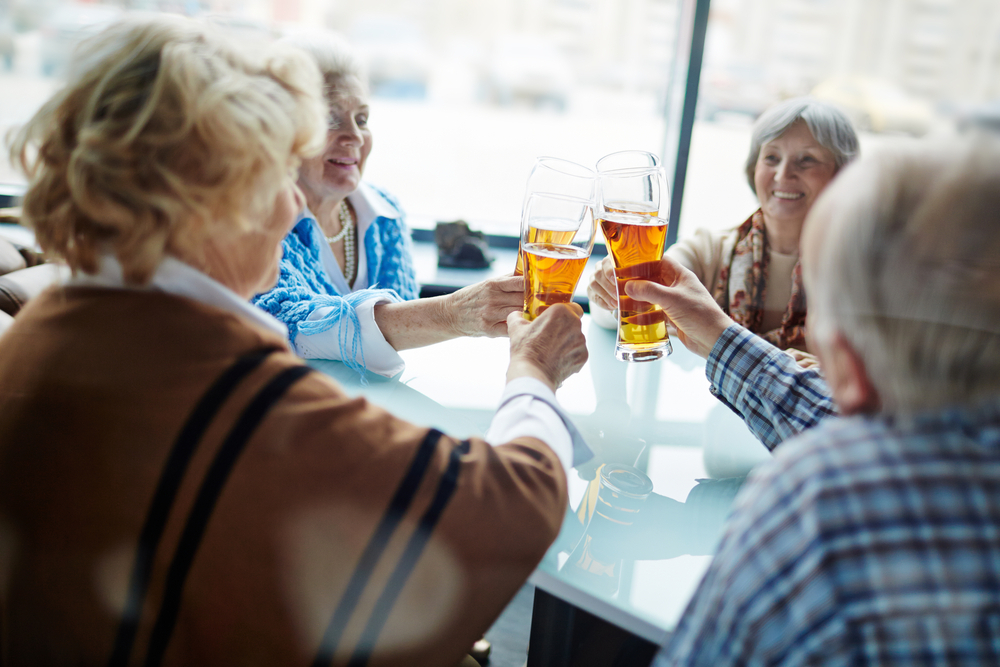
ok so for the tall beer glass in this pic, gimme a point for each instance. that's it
(628, 211)
(555, 176)
(627, 160)
(557, 236)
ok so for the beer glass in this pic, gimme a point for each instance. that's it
(552, 175)
(628, 212)
(557, 235)
(596, 561)
(627, 160)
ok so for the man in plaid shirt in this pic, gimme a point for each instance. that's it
(873, 537)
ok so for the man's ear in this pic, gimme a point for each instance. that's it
(845, 372)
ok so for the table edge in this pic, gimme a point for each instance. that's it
(594, 605)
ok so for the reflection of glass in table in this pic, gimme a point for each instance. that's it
(654, 417)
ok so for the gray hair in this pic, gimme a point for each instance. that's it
(829, 126)
(335, 58)
(909, 271)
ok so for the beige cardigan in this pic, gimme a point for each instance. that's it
(94, 387)
(705, 253)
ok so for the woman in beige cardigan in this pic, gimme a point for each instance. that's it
(176, 487)
(753, 271)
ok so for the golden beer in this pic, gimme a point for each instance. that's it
(537, 235)
(552, 272)
(635, 243)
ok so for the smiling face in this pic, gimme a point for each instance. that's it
(337, 172)
(791, 171)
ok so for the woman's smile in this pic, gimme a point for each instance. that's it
(344, 162)
(788, 195)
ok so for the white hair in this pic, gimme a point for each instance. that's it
(908, 271)
(342, 70)
(830, 127)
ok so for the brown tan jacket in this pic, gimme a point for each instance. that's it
(95, 386)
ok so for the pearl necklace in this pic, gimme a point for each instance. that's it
(346, 234)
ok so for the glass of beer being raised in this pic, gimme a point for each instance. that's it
(628, 213)
(557, 235)
(555, 176)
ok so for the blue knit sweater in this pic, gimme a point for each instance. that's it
(304, 285)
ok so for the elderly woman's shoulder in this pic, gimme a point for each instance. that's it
(704, 244)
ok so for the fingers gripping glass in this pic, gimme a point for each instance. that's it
(557, 236)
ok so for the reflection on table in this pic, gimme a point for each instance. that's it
(633, 560)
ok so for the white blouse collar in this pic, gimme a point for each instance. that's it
(368, 206)
(177, 278)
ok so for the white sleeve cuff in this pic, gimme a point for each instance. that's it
(529, 408)
(379, 356)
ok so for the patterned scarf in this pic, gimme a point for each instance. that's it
(749, 265)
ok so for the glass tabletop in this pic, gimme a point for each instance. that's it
(643, 517)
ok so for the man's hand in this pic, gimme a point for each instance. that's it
(688, 305)
(482, 309)
(551, 348)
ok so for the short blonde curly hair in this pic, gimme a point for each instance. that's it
(164, 131)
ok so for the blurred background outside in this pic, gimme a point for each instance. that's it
(466, 94)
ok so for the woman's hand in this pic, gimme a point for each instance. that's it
(551, 348)
(482, 309)
(603, 287)
(688, 305)
(476, 310)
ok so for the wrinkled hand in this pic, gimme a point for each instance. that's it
(551, 348)
(688, 305)
(603, 287)
(482, 309)
(803, 359)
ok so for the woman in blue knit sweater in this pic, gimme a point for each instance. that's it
(347, 288)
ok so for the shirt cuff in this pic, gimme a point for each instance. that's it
(379, 356)
(734, 363)
(726, 358)
(529, 408)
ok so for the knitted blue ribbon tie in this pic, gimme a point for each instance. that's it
(303, 285)
(349, 336)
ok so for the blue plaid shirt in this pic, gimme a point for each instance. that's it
(775, 396)
(868, 540)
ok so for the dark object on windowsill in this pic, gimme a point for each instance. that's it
(461, 248)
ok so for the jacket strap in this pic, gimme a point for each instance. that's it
(408, 561)
(166, 493)
(204, 504)
(400, 503)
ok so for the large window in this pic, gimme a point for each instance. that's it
(900, 68)
(466, 94)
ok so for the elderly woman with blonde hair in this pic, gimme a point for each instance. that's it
(176, 487)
